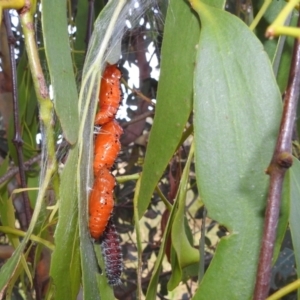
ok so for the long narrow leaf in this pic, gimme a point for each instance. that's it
(65, 263)
(60, 66)
(174, 99)
(237, 111)
(295, 213)
(152, 287)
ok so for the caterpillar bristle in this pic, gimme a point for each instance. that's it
(112, 253)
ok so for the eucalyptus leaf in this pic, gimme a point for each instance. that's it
(183, 253)
(80, 44)
(65, 262)
(174, 95)
(176, 271)
(186, 254)
(295, 213)
(237, 111)
(60, 66)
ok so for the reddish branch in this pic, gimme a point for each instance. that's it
(138, 118)
(18, 142)
(17, 134)
(282, 159)
(133, 131)
(13, 171)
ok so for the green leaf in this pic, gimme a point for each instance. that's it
(11, 266)
(7, 211)
(152, 287)
(183, 253)
(65, 263)
(190, 271)
(178, 258)
(80, 44)
(60, 66)
(26, 94)
(7, 271)
(283, 216)
(104, 287)
(29, 139)
(176, 271)
(174, 98)
(286, 57)
(33, 182)
(295, 212)
(237, 111)
(90, 269)
(215, 3)
(186, 254)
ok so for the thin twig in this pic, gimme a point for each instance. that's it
(138, 118)
(26, 166)
(17, 140)
(138, 93)
(281, 161)
(45, 110)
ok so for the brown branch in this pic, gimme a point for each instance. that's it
(138, 93)
(282, 159)
(17, 140)
(139, 118)
(13, 171)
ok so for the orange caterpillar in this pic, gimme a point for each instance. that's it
(101, 202)
(110, 95)
(107, 147)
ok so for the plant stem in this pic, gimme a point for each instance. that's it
(285, 290)
(139, 118)
(34, 238)
(41, 89)
(260, 14)
(46, 119)
(138, 93)
(282, 159)
(8, 4)
(17, 140)
(277, 28)
(125, 178)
